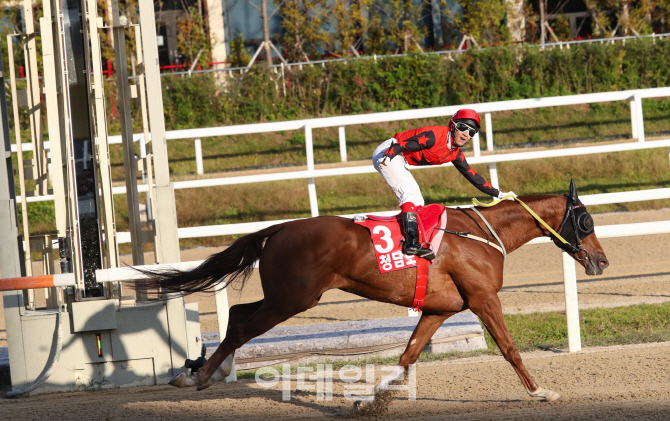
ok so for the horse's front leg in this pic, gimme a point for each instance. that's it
(487, 306)
(423, 331)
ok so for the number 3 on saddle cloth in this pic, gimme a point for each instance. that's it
(386, 233)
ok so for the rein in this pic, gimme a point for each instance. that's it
(565, 244)
(469, 235)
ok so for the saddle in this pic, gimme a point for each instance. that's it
(386, 234)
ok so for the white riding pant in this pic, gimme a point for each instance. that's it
(398, 176)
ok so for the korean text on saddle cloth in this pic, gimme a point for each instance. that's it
(386, 238)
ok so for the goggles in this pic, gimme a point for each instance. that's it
(463, 127)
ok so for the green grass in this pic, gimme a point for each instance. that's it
(599, 327)
(547, 331)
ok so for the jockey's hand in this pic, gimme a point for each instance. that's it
(383, 161)
(502, 194)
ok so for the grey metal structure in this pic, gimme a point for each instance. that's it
(108, 339)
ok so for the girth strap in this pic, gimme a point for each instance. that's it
(421, 283)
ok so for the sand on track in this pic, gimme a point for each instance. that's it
(615, 383)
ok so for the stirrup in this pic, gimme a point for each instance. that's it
(420, 251)
(426, 253)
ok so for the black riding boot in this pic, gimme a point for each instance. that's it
(412, 245)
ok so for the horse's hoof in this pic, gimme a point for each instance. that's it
(182, 380)
(545, 394)
(358, 406)
(204, 386)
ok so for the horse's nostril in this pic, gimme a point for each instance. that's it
(604, 264)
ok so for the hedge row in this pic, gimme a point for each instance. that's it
(415, 81)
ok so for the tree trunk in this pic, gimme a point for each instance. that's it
(516, 20)
(266, 32)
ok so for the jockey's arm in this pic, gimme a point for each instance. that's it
(475, 179)
(419, 142)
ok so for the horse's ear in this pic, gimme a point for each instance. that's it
(573, 190)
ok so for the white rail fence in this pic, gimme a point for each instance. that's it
(633, 96)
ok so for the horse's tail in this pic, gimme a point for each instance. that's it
(236, 263)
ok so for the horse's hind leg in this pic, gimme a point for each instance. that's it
(236, 314)
(265, 318)
(489, 310)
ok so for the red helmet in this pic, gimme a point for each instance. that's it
(466, 114)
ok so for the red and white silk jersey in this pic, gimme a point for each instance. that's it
(433, 145)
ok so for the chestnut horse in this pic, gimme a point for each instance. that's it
(302, 259)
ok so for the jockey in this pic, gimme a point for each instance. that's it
(431, 145)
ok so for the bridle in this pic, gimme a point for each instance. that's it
(577, 224)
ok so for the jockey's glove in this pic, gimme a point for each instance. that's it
(383, 161)
(502, 194)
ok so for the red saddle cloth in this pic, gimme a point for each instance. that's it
(386, 235)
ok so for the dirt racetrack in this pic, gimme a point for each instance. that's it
(614, 383)
(628, 382)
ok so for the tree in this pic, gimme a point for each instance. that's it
(192, 37)
(239, 57)
(350, 19)
(625, 17)
(401, 18)
(302, 21)
(482, 20)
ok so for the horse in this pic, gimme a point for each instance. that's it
(300, 260)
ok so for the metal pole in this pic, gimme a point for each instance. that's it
(571, 304)
(343, 144)
(167, 239)
(12, 264)
(129, 159)
(311, 187)
(112, 247)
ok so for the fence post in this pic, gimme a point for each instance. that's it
(633, 119)
(640, 118)
(489, 132)
(311, 187)
(221, 301)
(571, 303)
(198, 157)
(475, 145)
(343, 144)
(493, 171)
